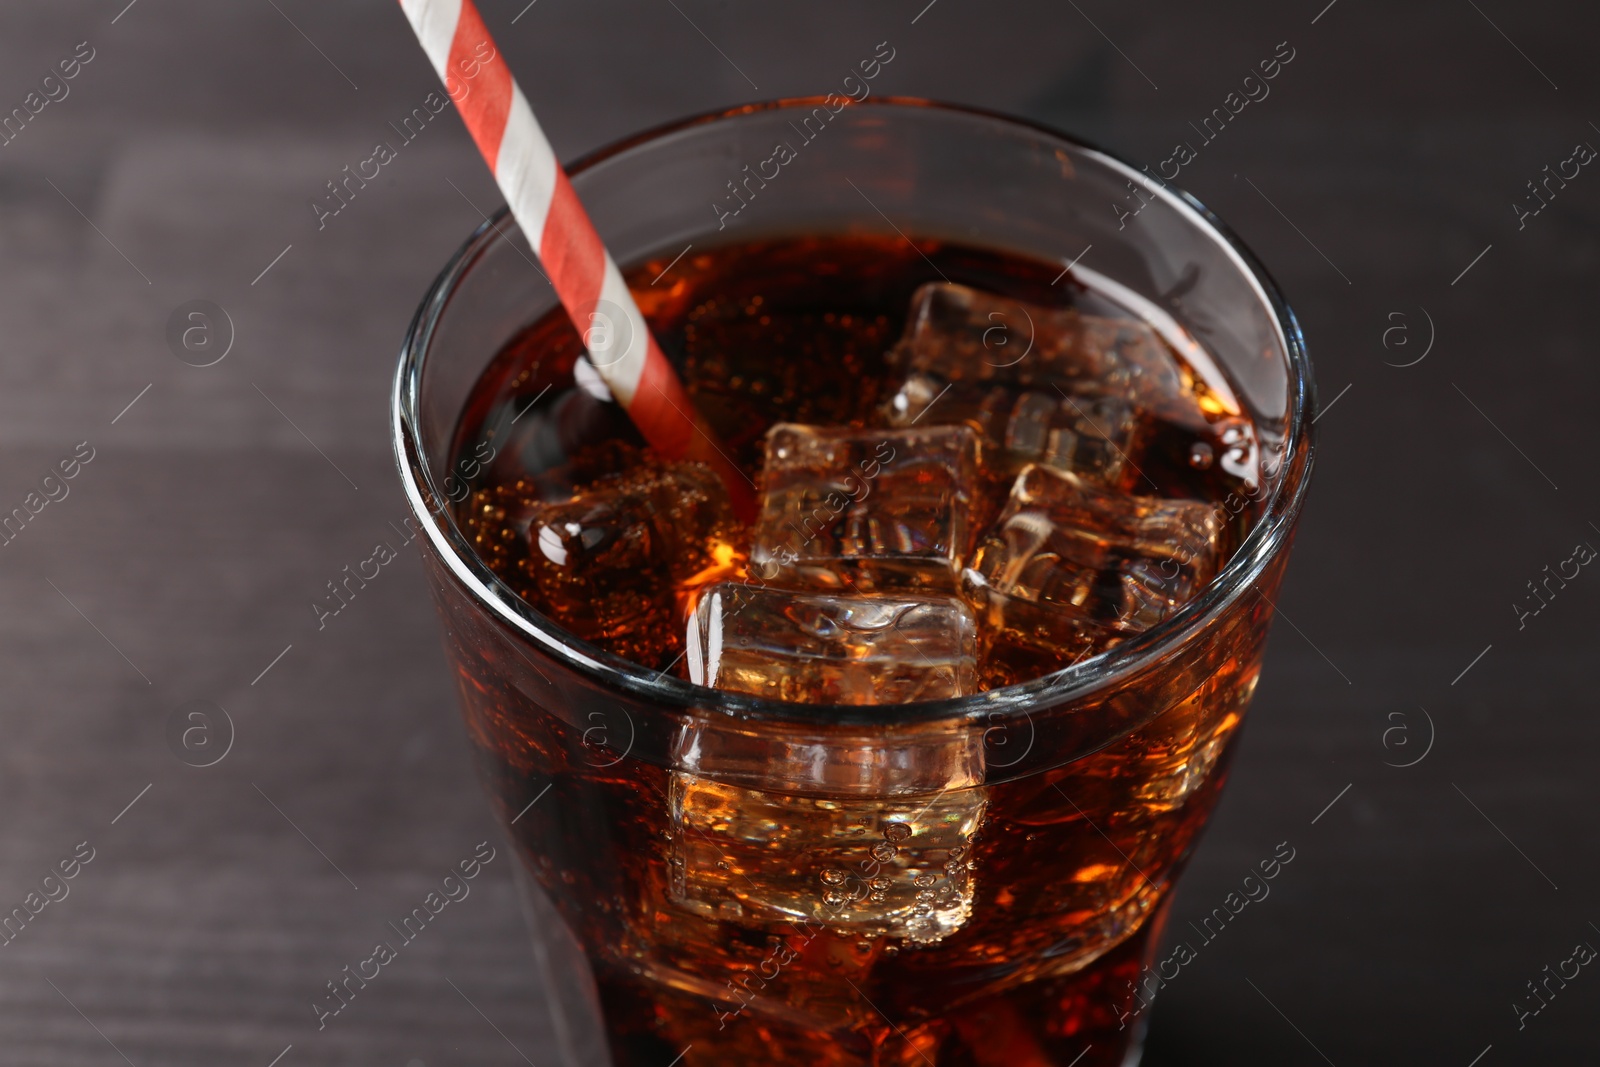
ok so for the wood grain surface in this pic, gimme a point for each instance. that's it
(1378, 181)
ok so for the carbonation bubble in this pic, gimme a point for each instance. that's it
(834, 897)
(883, 852)
(924, 880)
(832, 877)
(897, 831)
(1200, 456)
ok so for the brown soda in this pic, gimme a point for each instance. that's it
(971, 923)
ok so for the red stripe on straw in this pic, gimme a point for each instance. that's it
(486, 104)
(575, 258)
(544, 203)
(667, 413)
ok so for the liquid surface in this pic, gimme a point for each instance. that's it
(886, 403)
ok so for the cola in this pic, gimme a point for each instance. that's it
(974, 471)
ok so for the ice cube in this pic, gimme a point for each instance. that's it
(960, 334)
(1070, 569)
(896, 865)
(864, 510)
(826, 649)
(606, 563)
(857, 832)
(1093, 436)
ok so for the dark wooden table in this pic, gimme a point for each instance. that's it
(1378, 180)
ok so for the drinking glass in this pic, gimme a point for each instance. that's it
(718, 878)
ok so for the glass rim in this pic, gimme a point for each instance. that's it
(1267, 537)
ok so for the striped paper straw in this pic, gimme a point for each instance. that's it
(584, 275)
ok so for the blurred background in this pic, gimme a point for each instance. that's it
(1423, 735)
